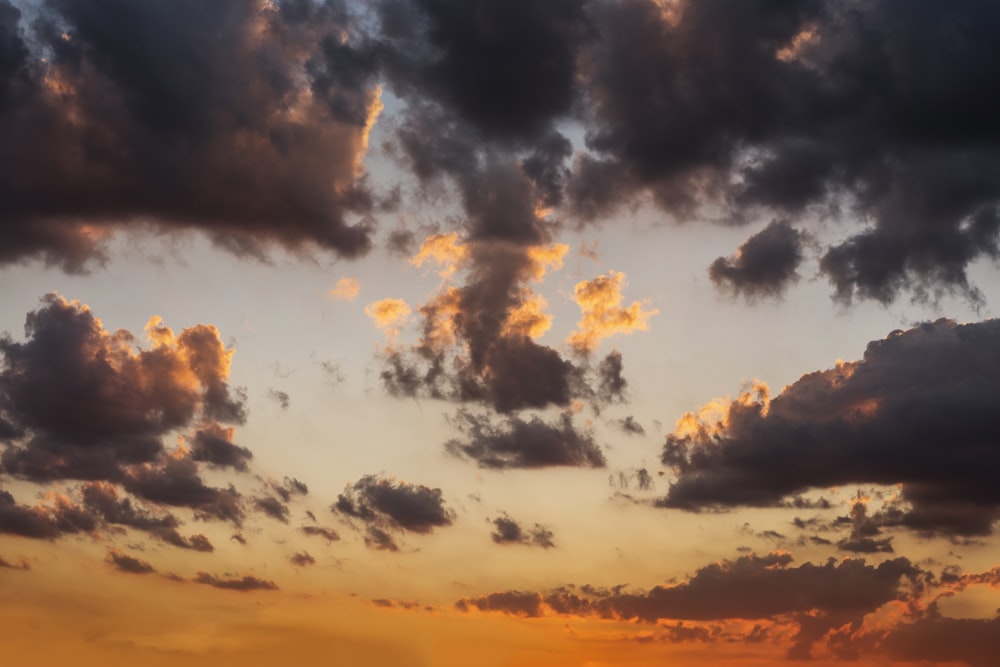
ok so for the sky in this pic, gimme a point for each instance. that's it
(426, 333)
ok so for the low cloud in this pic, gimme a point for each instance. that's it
(931, 387)
(244, 583)
(126, 563)
(509, 531)
(519, 443)
(384, 505)
(764, 266)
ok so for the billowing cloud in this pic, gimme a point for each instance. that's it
(85, 402)
(477, 340)
(244, 583)
(603, 314)
(748, 141)
(764, 266)
(384, 505)
(246, 120)
(509, 531)
(519, 443)
(480, 60)
(916, 411)
(346, 289)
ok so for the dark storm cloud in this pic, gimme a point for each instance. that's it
(796, 108)
(87, 402)
(244, 583)
(519, 443)
(509, 531)
(917, 410)
(506, 67)
(764, 265)
(126, 563)
(385, 505)
(818, 597)
(237, 118)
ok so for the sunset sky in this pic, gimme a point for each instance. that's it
(503, 333)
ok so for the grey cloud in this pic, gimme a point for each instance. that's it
(519, 443)
(764, 266)
(385, 505)
(235, 118)
(916, 410)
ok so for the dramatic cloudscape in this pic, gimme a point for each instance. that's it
(506, 333)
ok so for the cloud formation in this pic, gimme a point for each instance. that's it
(819, 598)
(603, 315)
(520, 443)
(85, 403)
(764, 266)
(916, 410)
(384, 505)
(243, 584)
(509, 531)
(242, 119)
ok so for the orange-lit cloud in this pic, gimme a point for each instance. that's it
(445, 250)
(388, 315)
(600, 301)
(346, 289)
(528, 318)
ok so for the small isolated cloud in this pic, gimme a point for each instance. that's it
(346, 289)
(384, 505)
(272, 507)
(519, 443)
(328, 534)
(388, 315)
(280, 397)
(126, 563)
(603, 315)
(244, 583)
(764, 266)
(630, 426)
(302, 559)
(509, 531)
